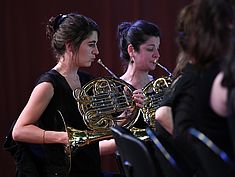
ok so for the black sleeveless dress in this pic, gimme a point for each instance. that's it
(50, 160)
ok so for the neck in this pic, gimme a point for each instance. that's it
(66, 69)
(69, 72)
(137, 79)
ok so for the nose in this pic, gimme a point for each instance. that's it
(96, 51)
(156, 54)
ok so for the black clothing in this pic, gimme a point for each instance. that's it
(86, 160)
(140, 123)
(192, 107)
(231, 113)
(21, 155)
(176, 147)
(189, 99)
(178, 86)
(49, 160)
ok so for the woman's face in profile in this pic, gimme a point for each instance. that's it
(88, 50)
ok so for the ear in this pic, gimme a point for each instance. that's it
(68, 47)
(130, 50)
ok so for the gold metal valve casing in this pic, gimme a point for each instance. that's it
(154, 92)
(106, 101)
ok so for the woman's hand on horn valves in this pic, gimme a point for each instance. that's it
(138, 98)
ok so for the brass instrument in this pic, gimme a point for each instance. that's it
(103, 102)
(79, 138)
(154, 92)
(106, 101)
(102, 64)
(67, 148)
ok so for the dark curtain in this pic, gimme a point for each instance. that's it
(25, 51)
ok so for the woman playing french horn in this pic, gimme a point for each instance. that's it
(38, 129)
(139, 44)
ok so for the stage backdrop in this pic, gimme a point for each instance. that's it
(25, 51)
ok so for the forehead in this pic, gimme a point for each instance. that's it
(93, 37)
(153, 40)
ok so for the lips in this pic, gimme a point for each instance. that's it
(156, 61)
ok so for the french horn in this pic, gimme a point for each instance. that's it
(103, 102)
(106, 101)
(154, 93)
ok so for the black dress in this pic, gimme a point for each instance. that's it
(50, 160)
(85, 160)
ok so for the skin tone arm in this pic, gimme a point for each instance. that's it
(164, 116)
(25, 129)
(218, 97)
(107, 147)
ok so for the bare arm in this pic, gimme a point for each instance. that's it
(164, 116)
(107, 147)
(25, 129)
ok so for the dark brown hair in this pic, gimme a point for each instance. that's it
(211, 30)
(136, 33)
(72, 28)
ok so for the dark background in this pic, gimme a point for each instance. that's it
(25, 52)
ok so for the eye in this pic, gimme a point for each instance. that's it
(149, 49)
(91, 44)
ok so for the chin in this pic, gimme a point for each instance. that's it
(88, 64)
(152, 68)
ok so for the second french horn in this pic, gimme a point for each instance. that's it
(154, 93)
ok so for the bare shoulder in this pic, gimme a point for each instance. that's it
(44, 87)
(43, 92)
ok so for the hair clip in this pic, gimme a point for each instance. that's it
(59, 20)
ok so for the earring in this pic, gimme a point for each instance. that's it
(132, 60)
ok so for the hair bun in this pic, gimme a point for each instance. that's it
(123, 28)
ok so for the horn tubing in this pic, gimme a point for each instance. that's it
(164, 68)
(100, 62)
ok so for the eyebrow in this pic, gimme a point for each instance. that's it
(151, 45)
(92, 41)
